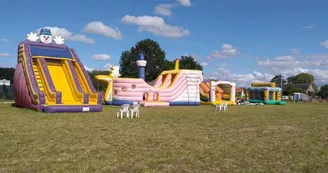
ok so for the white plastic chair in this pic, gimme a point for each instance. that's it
(221, 107)
(135, 109)
(124, 109)
(218, 107)
(225, 106)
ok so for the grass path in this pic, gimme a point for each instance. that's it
(291, 138)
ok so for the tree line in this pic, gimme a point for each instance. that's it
(302, 78)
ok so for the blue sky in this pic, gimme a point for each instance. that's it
(240, 41)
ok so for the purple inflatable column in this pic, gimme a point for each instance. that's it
(141, 63)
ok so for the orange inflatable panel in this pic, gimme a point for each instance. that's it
(218, 96)
(218, 89)
(204, 87)
(226, 96)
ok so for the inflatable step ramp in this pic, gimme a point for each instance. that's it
(154, 103)
(51, 78)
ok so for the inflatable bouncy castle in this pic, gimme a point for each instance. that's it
(266, 93)
(50, 77)
(171, 88)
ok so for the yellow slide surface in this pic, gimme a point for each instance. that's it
(166, 79)
(109, 80)
(84, 84)
(169, 80)
(61, 83)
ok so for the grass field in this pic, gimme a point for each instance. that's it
(291, 138)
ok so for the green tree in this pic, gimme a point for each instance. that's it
(315, 87)
(323, 93)
(168, 65)
(153, 54)
(302, 78)
(189, 62)
(290, 79)
(7, 73)
(99, 85)
(277, 79)
(289, 89)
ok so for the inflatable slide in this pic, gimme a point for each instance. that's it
(171, 88)
(220, 96)
(205, 93)
(51, 78)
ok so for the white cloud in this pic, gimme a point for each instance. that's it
(67, 35)
(318, 57)
(4, 54)
(241, 80)
(285, 58)
(4, 40)
(309, 26)
(290, 66)
(88, 69)
(107, 66)
(227, 51)
(192, 56)
(204, 64)
(288, 62)
(100, 28)
(223, 64)
(320, 75)
(284, 65)
(295, 51)
(184, 2)
(164, 9)
(155, 25)
(101, 57)
(324, 44)
(195, 57)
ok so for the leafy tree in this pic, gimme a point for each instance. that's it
(323, 93)
(99, 85)
(290, 79)
(289, 89)
(168, 65)
(7, 73)
(277, 79)
(189, 62)
(302, 78)
(154, 55)
(315, 87)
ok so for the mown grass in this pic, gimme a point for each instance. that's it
(291, 138)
